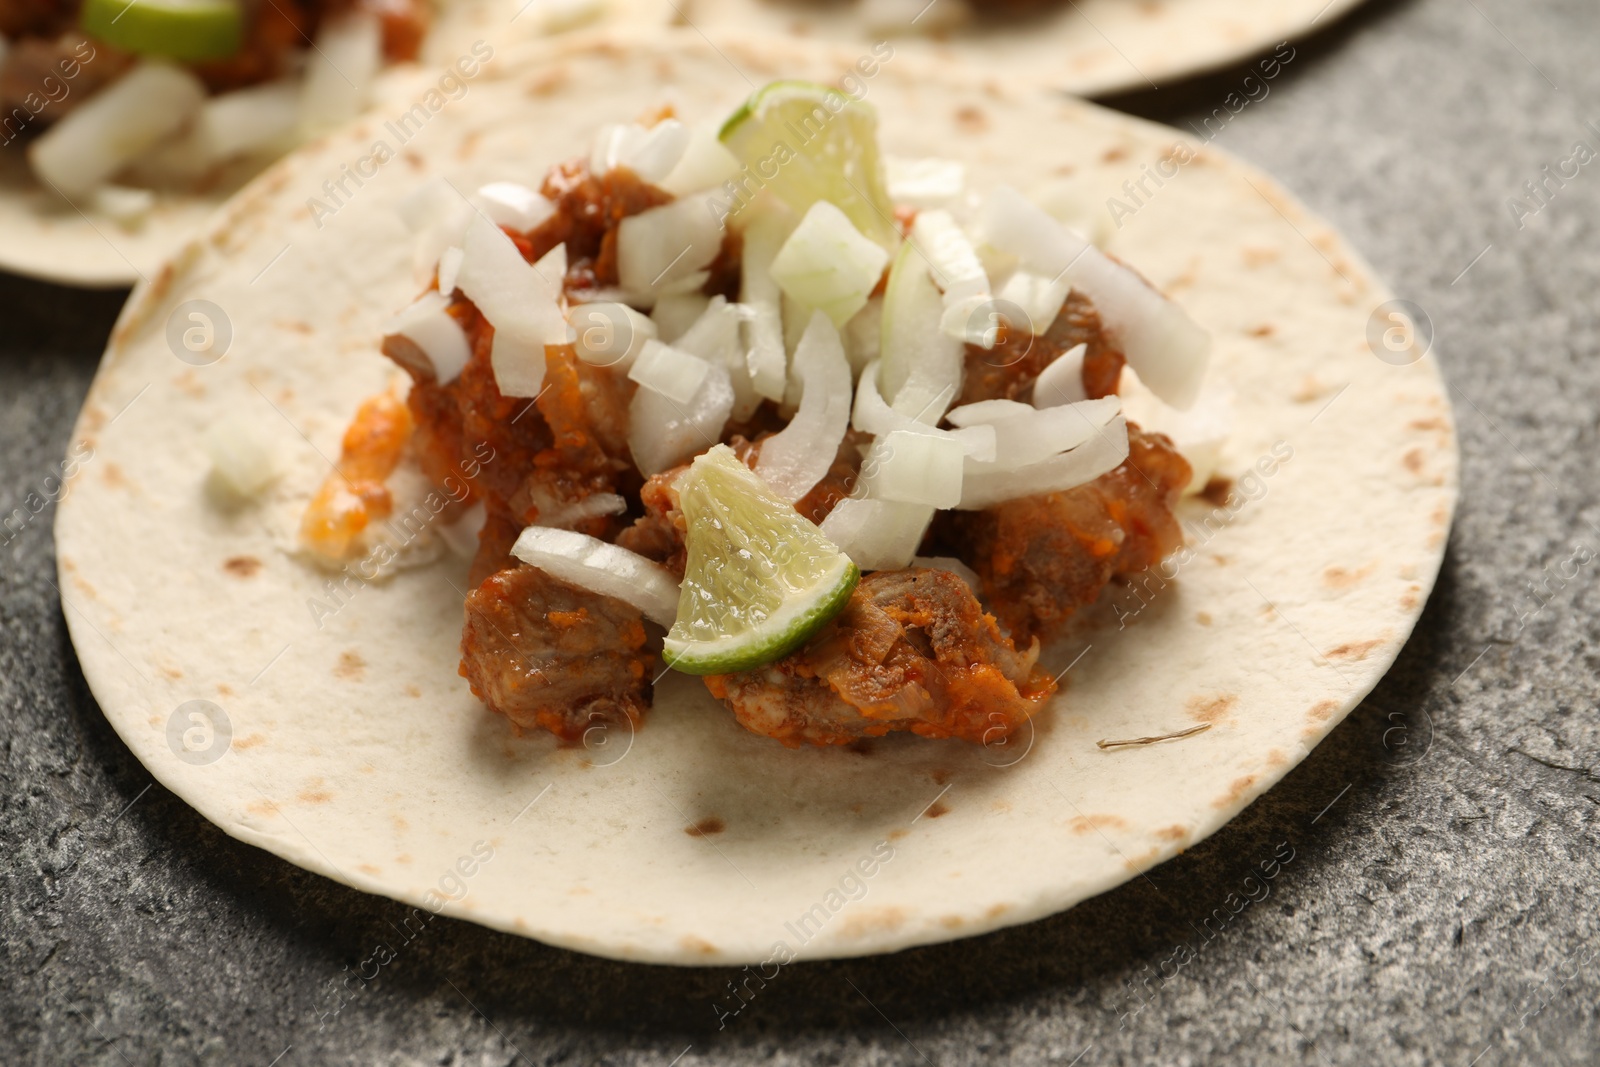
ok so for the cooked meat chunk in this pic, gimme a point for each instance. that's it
(913, 651)
(1008, 371)
(548, 655)
(1042, 558)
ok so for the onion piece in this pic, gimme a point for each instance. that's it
(650, 152)
(126, 206)
(872, 415)
(924, 183)
(667, 244)
(558, 16)
(1161, 341)
(956, 270)
(115, 127)
(663, 433)
(705, 164)
(1025, 435)
(863, 335)
(1061, 381)
(915, 468)
(673, 315)
(551, 270)
(449, 269)
(1101, 453)
(716, 337)
(426, 334)
(768, 355)
(673, 373)
(610, 334)
(251, 121)
(593, 506)
(797, 457)
(340, 70)
(1038, 297)
(600, 567)
(516, 301)
(829, 265)
(1199, 434)
(921, 366)
(240, 460)
(877, 535)
(513, 206)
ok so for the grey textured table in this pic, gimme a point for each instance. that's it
(1441, 905)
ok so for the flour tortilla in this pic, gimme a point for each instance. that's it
(1085, 47)
(356, 751)
(48, 237)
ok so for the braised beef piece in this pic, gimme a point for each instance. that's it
(551, 656)
(913, 650)
(1042, 558)
(1008, 371)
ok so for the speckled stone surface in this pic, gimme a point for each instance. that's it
(1441, 903)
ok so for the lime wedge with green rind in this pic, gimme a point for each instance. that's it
(761, 579)
(806, 142)
(190, 31)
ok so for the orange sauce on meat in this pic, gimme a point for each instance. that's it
(355, 494)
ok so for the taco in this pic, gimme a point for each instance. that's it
(122, 125)
(731, 562)
(1085, 47)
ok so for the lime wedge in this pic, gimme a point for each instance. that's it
(760, 579)
(190, 31)
(806, 142)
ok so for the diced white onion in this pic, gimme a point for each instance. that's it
(863, 335)
(251, 121)
(437, 337)
(514, 206)
(916, 468)
(795, 459)
(706, 163)
(1161, 341)
(768, 355)
(551, 270)
(872, 415)
(449, 269)
(516, 301)
(1025, 435)
(559, 16)
(1101, 453)
(593, 506)
(1038, 297)
(339, 71)
(117, 125)
(951, 564)
(600, 567)
(652, 153)
(674, 314)
(956, 270)
(828, 264)
(1061, 381)
(461, 536)
(240, 459)
(663, 433)
(1199, 434)
(716, 337)
(673, 373)
(127, 207)
(924, 183)
(610, 334)
(921, 366)
(666, 244)
(877, 534)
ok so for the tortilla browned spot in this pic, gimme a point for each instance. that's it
(1413, 461)
(1355, 649)
(1218, 489)
(1082, 824)
(1340, 578)
(1236, 791)
(350, 666)
(1211, 709)
(711, 824)
(250, 742)
(241, 566)
(1172, 833)
(1323, 710)
(936, 809)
